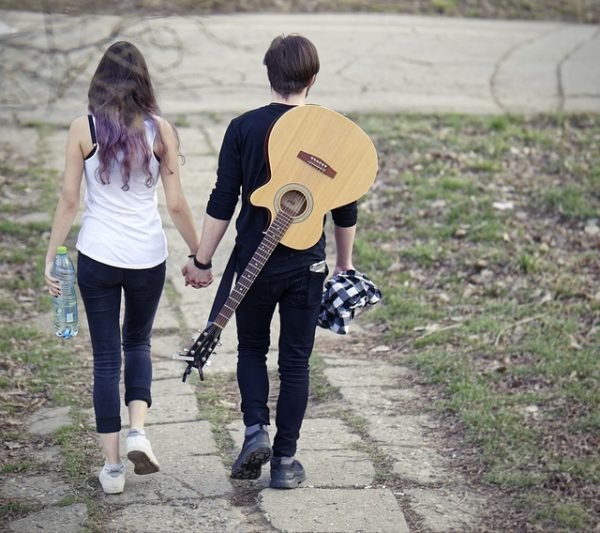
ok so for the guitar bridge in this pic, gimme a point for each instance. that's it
(317, 163)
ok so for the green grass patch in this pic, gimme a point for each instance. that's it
(42, 363)
(572, 201)
(37, 368)
(13, 509)
(18, 466)
(512, 346)
(218, 400)
(81, 449)
(320, 388)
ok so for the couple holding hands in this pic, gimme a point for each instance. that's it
(125, 148)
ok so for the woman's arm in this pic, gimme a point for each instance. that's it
(68, 200)
(177, 205)
(213, 230)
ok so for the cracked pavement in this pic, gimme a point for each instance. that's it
(369, 62)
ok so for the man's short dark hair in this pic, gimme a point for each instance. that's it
(291, 63)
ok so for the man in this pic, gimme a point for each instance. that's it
(291, 279)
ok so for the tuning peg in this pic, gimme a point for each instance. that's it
(182, 357)
(207, 363)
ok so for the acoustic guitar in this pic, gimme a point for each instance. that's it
(317, 160)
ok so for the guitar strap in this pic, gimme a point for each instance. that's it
(224, 287)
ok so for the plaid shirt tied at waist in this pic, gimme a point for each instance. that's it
(342, 295)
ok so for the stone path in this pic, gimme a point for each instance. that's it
(208, 69)
(369, 62)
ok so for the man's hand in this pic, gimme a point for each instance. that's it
(195, 277)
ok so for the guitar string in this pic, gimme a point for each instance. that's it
(295, 203)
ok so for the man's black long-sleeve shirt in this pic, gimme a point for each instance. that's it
(243, 167)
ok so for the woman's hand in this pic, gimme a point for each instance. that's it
(52, 283)
(195, 277)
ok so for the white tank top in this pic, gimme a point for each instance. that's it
(122, 228)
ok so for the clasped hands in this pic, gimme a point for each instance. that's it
(195, 277)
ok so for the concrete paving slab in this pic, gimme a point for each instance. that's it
(163, 348)
(444, 510)
(333, 510)
(333, 360)
(170, 409)
(189, 466)
(337, 468)
(190, 477)
(421, 465)
(47, 420)
(172, 401)
(403, 430)
(28, 138)
(196, 515)
(48, 489)
(5, 29)
(326, 434)
(69, 519)
(372, 402)
(322, 434)
(173, 387)
(372, 376)
(174, 442)
(165, 317)
(49, 454)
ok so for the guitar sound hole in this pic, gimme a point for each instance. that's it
(293, 203)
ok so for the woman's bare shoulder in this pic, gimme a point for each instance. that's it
(79, 124)
(163, 124)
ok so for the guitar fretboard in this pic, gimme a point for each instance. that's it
(270, 240)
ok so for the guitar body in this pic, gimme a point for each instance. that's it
(318, 160)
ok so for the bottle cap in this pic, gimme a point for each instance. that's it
(61, 250)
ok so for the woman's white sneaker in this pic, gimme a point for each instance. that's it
(139, 452)
(112, 481)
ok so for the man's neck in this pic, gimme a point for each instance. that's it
(292, 99)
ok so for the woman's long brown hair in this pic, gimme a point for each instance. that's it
(121, 98)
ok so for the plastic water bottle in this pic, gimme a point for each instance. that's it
(66, 316)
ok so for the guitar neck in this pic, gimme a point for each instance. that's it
(269, 242)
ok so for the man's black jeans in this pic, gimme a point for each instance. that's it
(299, 297)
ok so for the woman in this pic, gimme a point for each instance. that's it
(122, 148)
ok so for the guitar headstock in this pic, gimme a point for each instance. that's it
(202, 348)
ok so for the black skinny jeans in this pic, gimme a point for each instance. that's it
(100, 286)
(299, 297)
